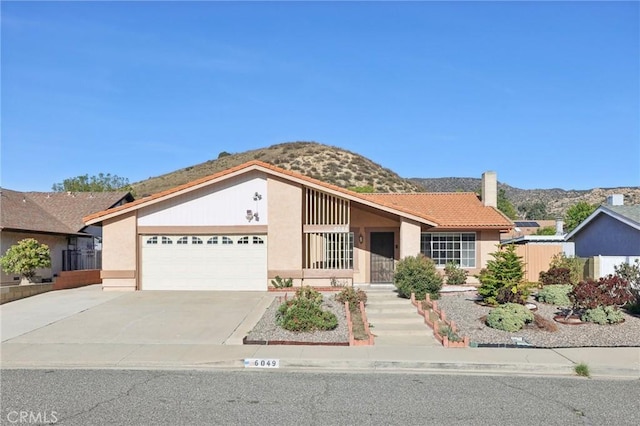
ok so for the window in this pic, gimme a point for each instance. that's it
(196, 240)
(166, 240)
(445, 247)
(258, 240)
(183, 240)
(152, 240)
(227, 240)
(212, 240)
(329, 250)
(243, 240)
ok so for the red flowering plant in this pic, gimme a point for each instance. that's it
(611, 291)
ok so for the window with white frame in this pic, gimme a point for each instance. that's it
(445, 247)
(196, 240)
(183, 240)
(152, 240)
(243, 240)
(227, 240)
(258, 240)
(212, 240)
(166, 240)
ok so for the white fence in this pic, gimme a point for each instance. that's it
(605, 265)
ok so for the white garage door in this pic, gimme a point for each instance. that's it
(204, 262)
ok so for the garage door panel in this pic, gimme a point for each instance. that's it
(205, 266)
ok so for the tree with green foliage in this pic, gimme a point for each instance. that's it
(533, 211)
(577, 213)
(547, 230)
(505, 206)
(506, 269)
(25, 257)
(99, 183)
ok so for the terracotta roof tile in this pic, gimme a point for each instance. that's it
(448, 209)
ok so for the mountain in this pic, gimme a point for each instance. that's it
(347, 169)
(556, 200)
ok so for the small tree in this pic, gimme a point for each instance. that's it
(576, 214)
(455, 274)
(572, 263)
(505, 270)
(99, 183)
(25, 257)
(418, 275)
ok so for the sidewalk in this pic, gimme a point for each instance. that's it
(32, 351)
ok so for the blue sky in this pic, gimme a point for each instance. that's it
(546, 94)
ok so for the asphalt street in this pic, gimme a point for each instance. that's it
(278, 397)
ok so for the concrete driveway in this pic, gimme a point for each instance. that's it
(90, 316)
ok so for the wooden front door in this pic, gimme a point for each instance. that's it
(382, 250)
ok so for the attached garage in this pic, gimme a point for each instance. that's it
(204, 262)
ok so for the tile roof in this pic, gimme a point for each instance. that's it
(53, 212)
(447, 210)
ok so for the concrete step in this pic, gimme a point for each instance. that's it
(387, 330)
(427, 341)
(387, 301)
(388, 310)
(399, 326)
(395, 316)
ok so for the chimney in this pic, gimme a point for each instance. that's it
(490, 189)
(615, 200)
(559, 226)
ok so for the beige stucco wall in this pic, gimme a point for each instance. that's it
(119, 255)
(409, 238)
(56, 244)
(284, 234)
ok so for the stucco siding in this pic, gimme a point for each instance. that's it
(119, 255)
(223, 204)
(285, 228)
(607, 236)
(409, 238)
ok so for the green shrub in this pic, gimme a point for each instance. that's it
(25, 257)
(353, 296)
(556, 276)
(573, 264)
(556, 294)
(278, 282)
(603, 315)
(305, 315)
(446, 330)
(418, 275)
(309, 293)
(509, 317)
(513, 294)
(506, 269)
(631, 273)
(455, 274)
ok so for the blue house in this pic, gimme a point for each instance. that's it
(611, 230)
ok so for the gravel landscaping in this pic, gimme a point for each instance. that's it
(267, 330)
(463, 309)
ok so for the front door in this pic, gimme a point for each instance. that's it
(382, 249)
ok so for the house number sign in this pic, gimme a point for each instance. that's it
(261, 363)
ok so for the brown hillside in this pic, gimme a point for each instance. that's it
(327, 163)
(347, 169)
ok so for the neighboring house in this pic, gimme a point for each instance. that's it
(611, 230)
(240, 228)
(54, 219)
(528, 227)
(537, 251)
